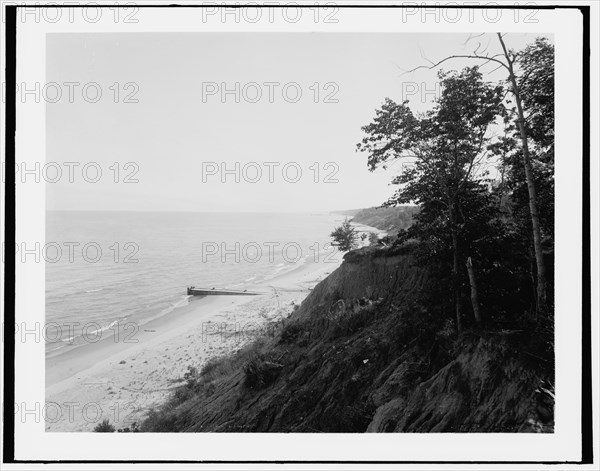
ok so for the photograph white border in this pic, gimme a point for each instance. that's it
(32, 443)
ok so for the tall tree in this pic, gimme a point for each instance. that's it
(448, 143)
(511, 59)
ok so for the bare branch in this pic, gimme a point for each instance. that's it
(472, 36)
(459, 56)
(494, 70)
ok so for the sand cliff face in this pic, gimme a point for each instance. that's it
(362, 354)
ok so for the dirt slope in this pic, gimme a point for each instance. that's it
(361, 354)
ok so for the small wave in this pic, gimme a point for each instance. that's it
(171, 306)
(93, 290)
(183, 301)
(109, 326)
(283, 268)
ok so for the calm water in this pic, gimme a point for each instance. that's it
(137, 265)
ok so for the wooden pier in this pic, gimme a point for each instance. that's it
(193, 291)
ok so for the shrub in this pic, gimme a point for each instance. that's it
(104, 426)
(345, 237)
(290, 332)
(160, 421)
(184, 393)
(260, 371)
(217, 367)
(351, 318)
(373, 238)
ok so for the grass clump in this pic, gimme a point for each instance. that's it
(104, 426)
(290, 332)
(261, 371)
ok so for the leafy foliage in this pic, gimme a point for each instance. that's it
(345, 237)
(536, 85)
(463, 212)
(449, 143)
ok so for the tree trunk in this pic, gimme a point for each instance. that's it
(533, 209)
(474, 295)
(455, 272)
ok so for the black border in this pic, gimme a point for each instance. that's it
(587, 422)
(8, 417)
(10, 231)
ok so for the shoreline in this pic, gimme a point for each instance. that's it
(121, 381)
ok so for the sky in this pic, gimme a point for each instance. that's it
(166, 137)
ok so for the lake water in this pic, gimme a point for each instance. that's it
(115, 268)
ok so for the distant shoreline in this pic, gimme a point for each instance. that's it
(383, 218)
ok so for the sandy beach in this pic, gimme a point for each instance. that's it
(122, 380)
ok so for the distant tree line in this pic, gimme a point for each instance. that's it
(387, 218)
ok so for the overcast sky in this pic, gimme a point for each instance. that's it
(180, 124)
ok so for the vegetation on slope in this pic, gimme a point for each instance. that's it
(369, 350)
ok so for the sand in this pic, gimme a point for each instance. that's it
(121, 381)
